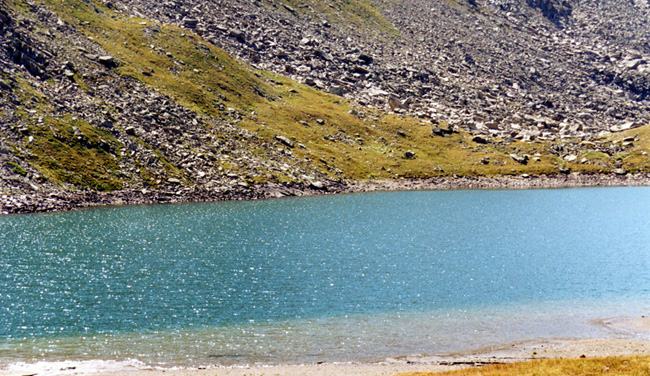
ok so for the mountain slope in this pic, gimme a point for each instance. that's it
(529, 68)
(101, 105)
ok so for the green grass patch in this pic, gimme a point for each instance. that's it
(71, 151)
(376, 145)
(362, 14)
(636, 142)
(16, 168)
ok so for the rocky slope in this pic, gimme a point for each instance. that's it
(521, 68)
(128, 101)
(73, 127)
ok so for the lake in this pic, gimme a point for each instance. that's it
(356, 277)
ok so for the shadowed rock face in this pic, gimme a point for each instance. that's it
(4, 19)
(555, 10)
(24, 52)
(21, 49)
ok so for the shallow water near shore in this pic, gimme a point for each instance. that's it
(340, 278)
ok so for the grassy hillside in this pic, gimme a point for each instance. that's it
(310, 130)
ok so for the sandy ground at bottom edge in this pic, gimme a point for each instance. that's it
(631, 328)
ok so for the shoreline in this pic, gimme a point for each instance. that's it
(626, 342)
(60, 200)
(506, 353)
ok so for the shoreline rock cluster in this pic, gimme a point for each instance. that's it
(65, 201)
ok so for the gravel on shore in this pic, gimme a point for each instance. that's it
(507, 353)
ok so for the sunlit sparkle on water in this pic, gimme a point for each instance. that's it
(339, 278)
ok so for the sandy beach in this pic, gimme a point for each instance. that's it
(633, 338)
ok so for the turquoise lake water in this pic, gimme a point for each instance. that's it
(336, 278)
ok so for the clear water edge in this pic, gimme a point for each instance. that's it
(391, 315)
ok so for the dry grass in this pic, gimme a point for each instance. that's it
(632, 366)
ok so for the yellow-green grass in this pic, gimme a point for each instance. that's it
(375, 147)
(71, 151)
(58, 154)
(624, 366)
(636, 157)
(360, 14)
